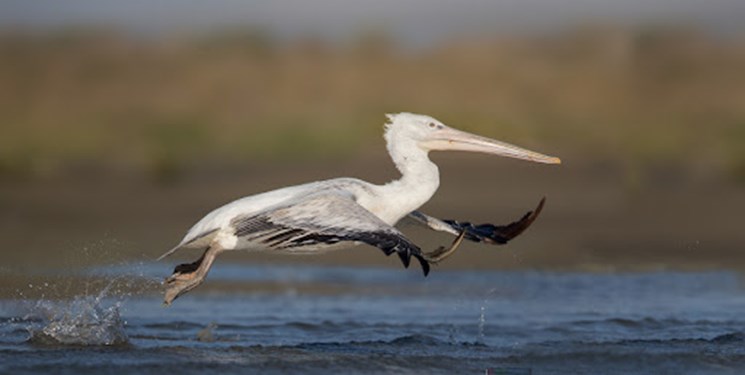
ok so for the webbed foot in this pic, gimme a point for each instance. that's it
(188, 276)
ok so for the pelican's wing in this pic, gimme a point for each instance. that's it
(487, 233)
(324, 219)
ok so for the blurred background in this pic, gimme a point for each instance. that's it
(123, 123)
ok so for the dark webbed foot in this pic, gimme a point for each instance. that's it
(188, 267)
(497, 234)
(188, 276)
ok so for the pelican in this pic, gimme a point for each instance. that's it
(325, 215)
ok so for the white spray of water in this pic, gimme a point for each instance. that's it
(84, 320)
(91, 319)
(482, 316)
(482, 322)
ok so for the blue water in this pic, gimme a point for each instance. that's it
(320, 320)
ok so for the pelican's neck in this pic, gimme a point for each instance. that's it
(419, 180)
(414, 164)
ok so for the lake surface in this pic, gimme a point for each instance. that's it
(321, 320)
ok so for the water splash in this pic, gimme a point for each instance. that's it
(91, 318)
(482, 323)
(84, 320)
(482, 316)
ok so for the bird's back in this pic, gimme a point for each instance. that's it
(221, 217)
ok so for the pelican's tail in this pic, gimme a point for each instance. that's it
(201, 241)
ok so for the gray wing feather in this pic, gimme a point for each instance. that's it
(432, 222)
(487, 233)
(324, 219)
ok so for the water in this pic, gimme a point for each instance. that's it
(320, 320)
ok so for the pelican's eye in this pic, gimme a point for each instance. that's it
(432, 125)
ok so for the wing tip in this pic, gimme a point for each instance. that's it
(425, 265)
(405, 257)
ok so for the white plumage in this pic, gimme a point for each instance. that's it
(323, 215)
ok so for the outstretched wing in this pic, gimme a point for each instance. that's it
(322, 219)
(487, 233)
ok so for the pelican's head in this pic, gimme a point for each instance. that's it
(430, 134)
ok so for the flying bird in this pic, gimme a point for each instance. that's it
(325, 215)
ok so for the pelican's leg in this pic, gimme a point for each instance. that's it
(189, 275)
(439, 254)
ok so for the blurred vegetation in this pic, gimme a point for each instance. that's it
(641, 98)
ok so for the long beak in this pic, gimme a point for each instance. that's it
(456, 140)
